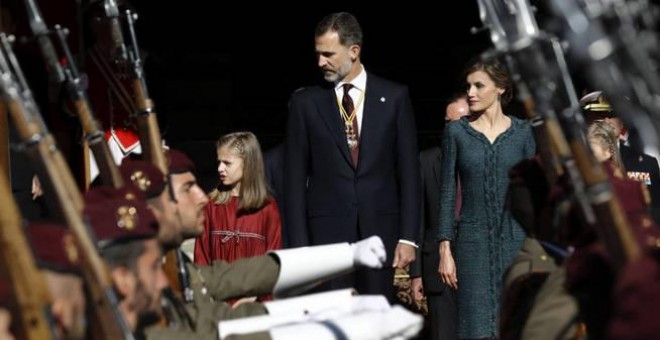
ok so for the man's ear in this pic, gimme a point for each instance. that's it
(156, 211)
(354, 52)
(123, 280)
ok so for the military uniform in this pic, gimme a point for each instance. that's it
(643, 168)
(210, 285)
(534, 303)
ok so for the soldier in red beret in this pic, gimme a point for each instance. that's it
(179, 210)
(57, 256)
(126, 231)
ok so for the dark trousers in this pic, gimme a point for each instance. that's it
(442, 315)
(365, 281)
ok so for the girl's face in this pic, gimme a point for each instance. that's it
(601, 152)
(482, 91)
(230, 167)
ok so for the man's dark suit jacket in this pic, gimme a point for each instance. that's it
(428, 259)
(327, 199)
(644, 168)
(274, 167)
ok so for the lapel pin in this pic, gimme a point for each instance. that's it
(382, 99)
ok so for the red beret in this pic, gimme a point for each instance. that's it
(119, 215)
(144, 176)
(178, 162)
(634, 302)
(54, 247)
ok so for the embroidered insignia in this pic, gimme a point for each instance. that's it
(141, 180)
(127, 217)
(69, 245)
(639, 176)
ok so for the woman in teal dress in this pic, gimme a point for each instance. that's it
(480, 150)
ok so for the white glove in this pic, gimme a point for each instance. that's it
(369, 252)
(395, 323)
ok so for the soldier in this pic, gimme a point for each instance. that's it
(639, 166)
(179, 211)
(534, 301)
(126, 232)
(57, 257)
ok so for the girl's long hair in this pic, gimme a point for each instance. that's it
(253, 193)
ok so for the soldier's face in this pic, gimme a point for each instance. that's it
(150, 280)
(334, 59)
(165, 211)
(616, 124)
(68, 305)
(191, 201)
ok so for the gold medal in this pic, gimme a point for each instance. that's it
(351, 134)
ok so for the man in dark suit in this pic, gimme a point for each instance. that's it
(440, 299)
(274, 167)
(351, 166)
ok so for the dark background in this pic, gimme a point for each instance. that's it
(212, 70)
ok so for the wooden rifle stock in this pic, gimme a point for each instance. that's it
(150, 138)
(541, 68)
(4, 142)
(44, 154)
(31, 294)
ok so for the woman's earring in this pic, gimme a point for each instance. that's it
(499, 96)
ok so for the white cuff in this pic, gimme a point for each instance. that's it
(409, 242)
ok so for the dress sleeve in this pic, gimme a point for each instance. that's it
(273, 227)
(447, 197)
(203, 242)
(530, 142)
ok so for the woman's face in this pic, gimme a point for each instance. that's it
(482, 91)
(601, 152)
(230, 167)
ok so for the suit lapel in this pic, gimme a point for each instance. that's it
(369, 113)
(329, 111)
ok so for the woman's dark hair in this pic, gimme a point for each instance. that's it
(498, 73)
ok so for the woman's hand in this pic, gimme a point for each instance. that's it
(447, 267)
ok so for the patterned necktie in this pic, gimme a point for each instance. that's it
(352, 132)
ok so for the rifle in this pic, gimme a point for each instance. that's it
(37, 143)
(538, 64)
(617, 46)
(118, 55)
(31, 294)
(56, 77)
(147, 122)
(150, 138)
(93, 134)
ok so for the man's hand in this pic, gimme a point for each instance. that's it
(369, 253)
(417, 289)
(404, 254)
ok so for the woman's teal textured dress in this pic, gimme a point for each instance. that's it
(486, 237)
